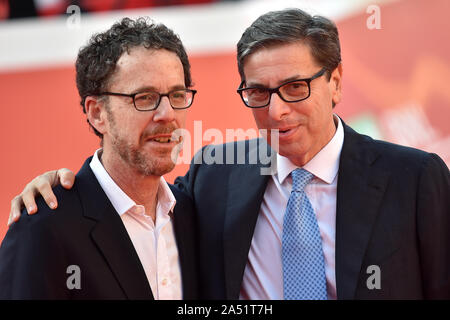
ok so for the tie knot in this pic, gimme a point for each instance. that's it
(300, 178)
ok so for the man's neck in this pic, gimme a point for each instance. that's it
(140, 188)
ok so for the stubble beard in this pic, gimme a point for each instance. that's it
(137, 158)
(141, 161)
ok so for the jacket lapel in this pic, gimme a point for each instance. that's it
(111, 237)
(359, 193)
(246, 187)
(185, 233)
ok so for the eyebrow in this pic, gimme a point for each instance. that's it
(259, 85)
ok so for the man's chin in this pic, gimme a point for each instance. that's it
(288, 151)
(156, 167)
(160, 171)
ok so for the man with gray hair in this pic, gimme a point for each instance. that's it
(342, 216)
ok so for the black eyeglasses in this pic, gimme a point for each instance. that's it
(149, 100)
(291, 91)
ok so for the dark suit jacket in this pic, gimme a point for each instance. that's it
(85, 231)
(393, 211)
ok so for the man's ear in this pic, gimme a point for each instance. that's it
(336, 84)
(96, 113)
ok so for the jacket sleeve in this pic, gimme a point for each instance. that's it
(433, 223)
(31, 261)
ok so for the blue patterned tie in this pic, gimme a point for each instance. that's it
(302, 254)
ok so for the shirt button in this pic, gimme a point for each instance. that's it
(164, 282)
(139, 210)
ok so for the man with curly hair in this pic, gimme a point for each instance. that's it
(116, 236)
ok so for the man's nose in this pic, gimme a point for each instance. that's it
(277, 107)
(164, 112)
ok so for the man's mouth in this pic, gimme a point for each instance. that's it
(286, 132)
(161, 140)
(165, 138)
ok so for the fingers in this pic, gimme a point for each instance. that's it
(16, 206)
(66, 177)
(41, 185)
(27, 196)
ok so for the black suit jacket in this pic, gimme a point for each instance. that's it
(393, 211)
(87, 232)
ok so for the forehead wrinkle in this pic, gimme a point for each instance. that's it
(146, 88)
(135, 81)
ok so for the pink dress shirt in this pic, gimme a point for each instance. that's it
(263, 275)
(154, 242)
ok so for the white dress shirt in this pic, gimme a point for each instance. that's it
(154, 243)
(263, 275)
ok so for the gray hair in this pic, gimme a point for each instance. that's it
(289, 26)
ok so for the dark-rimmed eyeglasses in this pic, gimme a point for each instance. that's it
(149, 100)
(290, 91)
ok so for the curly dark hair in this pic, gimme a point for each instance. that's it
(96, 62)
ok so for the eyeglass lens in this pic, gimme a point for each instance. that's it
(150, 100)
(292, 91)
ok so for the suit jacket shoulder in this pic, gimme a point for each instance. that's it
(393, 211)
(32, 255)
(84, 233)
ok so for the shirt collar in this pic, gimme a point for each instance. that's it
(324, 165)
(119, 199)
(166, 199)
